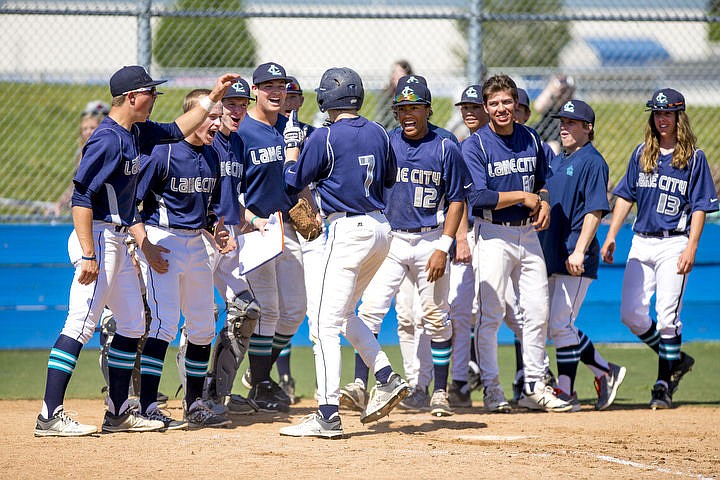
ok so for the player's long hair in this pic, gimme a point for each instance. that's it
(684, 143)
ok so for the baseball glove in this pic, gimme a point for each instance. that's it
(303, 219)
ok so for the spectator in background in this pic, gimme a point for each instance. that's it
(91, 116)
(559, 90)
(384, 114)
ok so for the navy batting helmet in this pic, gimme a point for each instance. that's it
(340, 88)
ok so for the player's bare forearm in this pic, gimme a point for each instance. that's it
(508, 199)
(82, 221)
(453, 219)
(591, 222)
(686, 262)
(190, 120)
(620, 213)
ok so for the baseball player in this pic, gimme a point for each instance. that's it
(312, 251)
(176, 187)
(578, 200)
(430, 173)
(278, 285)
(103, 207)
(513, 314)
(669, 179)
(242, 309)
(352, 163)
(510, 204)
(414, 342)
(462, 298)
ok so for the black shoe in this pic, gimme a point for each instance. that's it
(680, 368)
(661, 397)
(264, 396)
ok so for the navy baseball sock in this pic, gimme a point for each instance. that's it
(152, 360)
(61, 364)
(383, 375)
(567, 362)
(121, 361)
(197, 358)
(260, 357)
(278, 345)
(589, 356)
(441, 352)
(328, 411)
(669, 354)
(362, 371)
(283, 361)
(518, 355)
(652, 338)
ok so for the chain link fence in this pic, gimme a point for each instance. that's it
(56, 57)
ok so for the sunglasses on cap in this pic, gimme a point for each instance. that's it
(409, 97)
(150, 90)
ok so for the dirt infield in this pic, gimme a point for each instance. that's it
(632, 442)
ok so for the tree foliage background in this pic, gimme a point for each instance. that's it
(517, 43)
(205, 42)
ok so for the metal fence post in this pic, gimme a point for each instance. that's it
(144, 34)
(474, 62)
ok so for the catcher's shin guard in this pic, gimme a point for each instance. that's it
(232, 344)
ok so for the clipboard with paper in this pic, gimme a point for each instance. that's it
(256, 248)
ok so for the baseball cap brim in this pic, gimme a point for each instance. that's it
(572, 116)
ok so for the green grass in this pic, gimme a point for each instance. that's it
(23, 372)
(38, 136)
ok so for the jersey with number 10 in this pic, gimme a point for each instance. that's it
(667, 197)
(503, 163)
(352, 163)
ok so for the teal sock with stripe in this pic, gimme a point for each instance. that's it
(669, 354)
(280, 342)
(260, 357)
(197, 358)
(151, 367)
(441, 352)
(121, 361)
(61, 365)
(652, 338)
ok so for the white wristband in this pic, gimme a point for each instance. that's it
(207, 104)
(444, 243)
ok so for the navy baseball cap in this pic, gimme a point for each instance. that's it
(576, 110)
(130, 78)
(411, 94)
(293, 86)
(405, 79)
(472, 94)
(239, 89)
(667, 100)
(269, 71)
(523, 98)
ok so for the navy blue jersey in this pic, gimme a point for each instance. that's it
(106, 179)
(262, 150)
(177, 183)
(430, 172)
(503, 163)
(231, 181)
(578, 186)
(667, 197)
(444, 133)
(351, 163)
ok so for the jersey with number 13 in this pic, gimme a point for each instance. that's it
(667, 196)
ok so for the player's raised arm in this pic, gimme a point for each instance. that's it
(190, 120)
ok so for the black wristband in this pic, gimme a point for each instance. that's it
(544, 196)
(89, 258)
